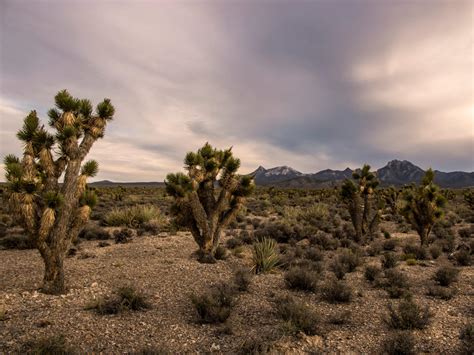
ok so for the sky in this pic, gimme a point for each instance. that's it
(309, 84)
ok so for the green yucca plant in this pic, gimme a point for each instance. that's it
(51, 212)
(265, 255)
(358, 195)
(423, 206)
(202, 207)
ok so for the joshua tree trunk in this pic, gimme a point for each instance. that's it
(53, 281)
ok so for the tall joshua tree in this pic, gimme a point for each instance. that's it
(199, 205)
(423, 206)
(358, 195)
(51, 212)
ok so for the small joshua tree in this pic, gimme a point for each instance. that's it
(423, 206)
(390, 196)
(51, 212)
(358, 197)
(198, 206)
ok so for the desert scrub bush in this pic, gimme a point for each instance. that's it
(340, 317)
(298, 316)
(16, 241)
(467, 338)
(123, 235)
(389, 245)
(94, 233)
(126, 298)
(53, 212)
(423, 206)
(372, 272)
(198, 206)
(399, 343)
(446, 275)
(389, 260)
(133, 216)
(336, 291)
(265, 255)
(466, 233)
(361, 202)
(314, 254)
(214, 305)
(443, 293)
(221, 253)
(395, 283)
(463, 258)
(55, 344)
(374, 248)
(299, 278)
(435, 251)
(345, 262)
(418, 252)
(408, 315)
(242, 279)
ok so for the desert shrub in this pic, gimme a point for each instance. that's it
(233, 243)
(16, 241)
(386, 234)
(420, 253)
(467, 338)
(221, 253)
(152, 227)
(256, 346)
(435, 251)
(324, 240)
(408, 315)
(299, 278)
(215, 305)
(298, 316)
(389, 260)
(440, 292)
(467, 232)
(314, 254)
(47, 346)
(126, 298)
(265, 255)
(242, 279)
(372, 272)
(103, 244)
(395, 283)
(336, 291)
(446, 275)
(399, 343)
(123, 235)
(133, 217)
(345, 262)
(94, 233)
(374, 249)
(389, 245)
(463, 258)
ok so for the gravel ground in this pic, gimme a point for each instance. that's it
(164, 268)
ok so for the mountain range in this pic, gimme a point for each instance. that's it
(396, 172)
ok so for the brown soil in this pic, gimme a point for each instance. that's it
(164, 268)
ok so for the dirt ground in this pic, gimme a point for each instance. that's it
(164, 268)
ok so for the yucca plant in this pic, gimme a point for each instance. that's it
(265, 255)
(423, 206)
(51, 212)
(358, 195)
(203, 205)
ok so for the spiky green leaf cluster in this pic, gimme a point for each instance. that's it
(90, 168)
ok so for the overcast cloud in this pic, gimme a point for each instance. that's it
(310, 84)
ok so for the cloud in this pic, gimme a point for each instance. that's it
(308, 84)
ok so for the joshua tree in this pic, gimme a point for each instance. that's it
(198, 206)
(423, 206)
(469, 198)
(390, 196)
(51, 212)
(358, 198)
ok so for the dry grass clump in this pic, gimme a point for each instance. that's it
(125, 298)
(215, 305)
(408, 315)
(298, 316)
(133, 217)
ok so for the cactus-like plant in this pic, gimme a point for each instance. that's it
(358, 195)
(51, 212)
(390, 196)
(469, 198)
(202, 207)
(423, 206)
